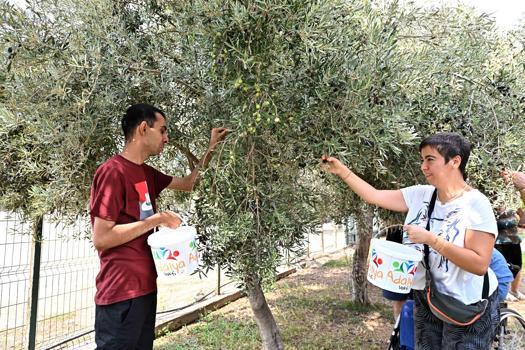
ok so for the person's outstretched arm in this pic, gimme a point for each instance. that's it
(388, 199)
(187, 183)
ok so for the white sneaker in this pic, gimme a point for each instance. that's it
(510, 298)
(518, 295)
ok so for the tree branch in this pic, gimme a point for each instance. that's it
(192, 159)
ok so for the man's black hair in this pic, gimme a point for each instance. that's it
(136, 114)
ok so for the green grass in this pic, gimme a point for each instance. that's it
(213, 332)
(312, 311)
(342, 262)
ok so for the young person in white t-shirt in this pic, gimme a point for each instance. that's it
(461, 238)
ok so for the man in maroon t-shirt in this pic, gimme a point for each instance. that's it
(123, 214)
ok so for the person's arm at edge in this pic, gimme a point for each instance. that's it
(517, 178)
(519, 183)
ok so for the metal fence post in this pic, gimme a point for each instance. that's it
(308, 246)
(336, 234)
(218, 289)
(34, 279)
(322, 240)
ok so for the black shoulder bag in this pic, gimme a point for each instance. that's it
(446, 308)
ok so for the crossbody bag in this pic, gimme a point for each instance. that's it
(449, 309)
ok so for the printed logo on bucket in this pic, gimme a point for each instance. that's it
(172, 263)
(397, 273)
(165, 254)
(376, 259)
(406, 266)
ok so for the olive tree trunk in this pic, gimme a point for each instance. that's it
(271, 338)
(359, 283)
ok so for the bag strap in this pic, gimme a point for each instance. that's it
(429, 213)
(485, 292)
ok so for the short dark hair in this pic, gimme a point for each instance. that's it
(449, 145)
(136, 114)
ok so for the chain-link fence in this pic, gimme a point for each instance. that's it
(14, 281)
(62, 266)
(66, 272)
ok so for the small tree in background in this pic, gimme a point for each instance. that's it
(436, 70)
(461, 72)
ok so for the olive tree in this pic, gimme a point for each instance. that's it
(462, 75)
(445, 69)
(69, 71)
(278, 71)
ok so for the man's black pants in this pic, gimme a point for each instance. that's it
(128, 324)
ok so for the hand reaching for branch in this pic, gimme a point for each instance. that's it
(334, 166)
(217, 135)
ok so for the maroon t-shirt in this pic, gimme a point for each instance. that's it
(125, 192)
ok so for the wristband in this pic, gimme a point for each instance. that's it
(347, 175)
(439, 244)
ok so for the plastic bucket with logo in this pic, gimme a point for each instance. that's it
(174, 251)
(392, 266)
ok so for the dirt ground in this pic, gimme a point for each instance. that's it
(313, 310)
(316, 300)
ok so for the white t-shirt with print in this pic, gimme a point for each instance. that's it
(472, 210)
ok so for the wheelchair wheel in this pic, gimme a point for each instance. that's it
(511, 330)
